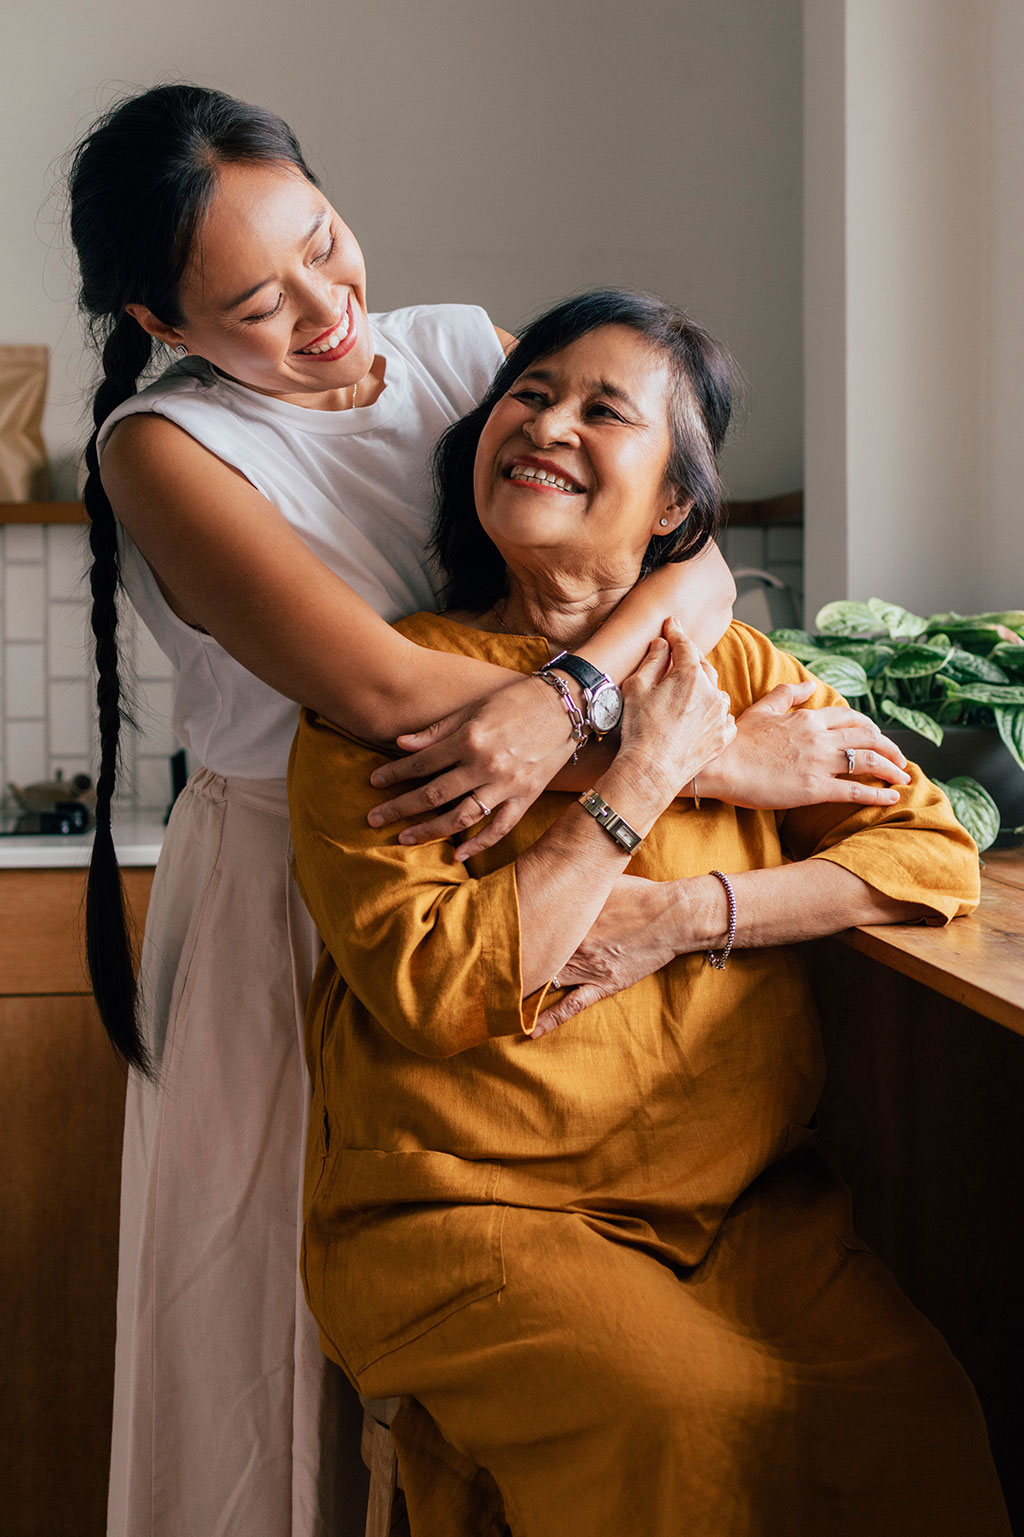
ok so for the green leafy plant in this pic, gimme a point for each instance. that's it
(924, 675)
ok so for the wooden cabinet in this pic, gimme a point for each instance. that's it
(921, 1115)
(61, 1112)
(924, 1036)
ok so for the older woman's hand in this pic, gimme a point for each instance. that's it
(783, 756)
(675, 719)
(630, 939)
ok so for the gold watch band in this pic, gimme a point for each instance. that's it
(615, 826)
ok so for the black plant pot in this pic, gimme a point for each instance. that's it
(974, 751)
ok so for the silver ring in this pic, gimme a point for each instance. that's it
(851, 760)
(485, 810)
(555, 982)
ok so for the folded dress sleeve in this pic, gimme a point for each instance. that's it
(430, 950)
(915, 851)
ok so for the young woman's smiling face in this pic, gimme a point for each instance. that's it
(275, 291)
(571, 462)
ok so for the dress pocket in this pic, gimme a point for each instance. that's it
(395, 1243)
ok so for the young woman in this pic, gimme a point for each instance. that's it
(266, 504)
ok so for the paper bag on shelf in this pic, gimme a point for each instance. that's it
(24, 472)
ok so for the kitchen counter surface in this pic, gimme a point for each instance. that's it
(137, 837)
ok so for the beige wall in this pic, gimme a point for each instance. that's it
(913, 306)
(1003, 527)
(505, 153)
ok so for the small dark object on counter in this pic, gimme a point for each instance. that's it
(51, 794)
(56, 805)
(66, 817)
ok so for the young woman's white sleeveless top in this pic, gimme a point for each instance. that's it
(354, 484)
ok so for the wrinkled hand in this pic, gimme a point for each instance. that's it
(675, 719)
(630, 940)
(499, 754)
(783, 756)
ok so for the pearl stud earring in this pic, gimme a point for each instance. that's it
(663, 522)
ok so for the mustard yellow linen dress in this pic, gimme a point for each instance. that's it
(608, 1262)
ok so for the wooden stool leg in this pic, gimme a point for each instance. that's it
(379, 1456)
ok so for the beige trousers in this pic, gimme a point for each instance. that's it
(225, 1411)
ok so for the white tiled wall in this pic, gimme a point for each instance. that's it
(46, 688)
(46, 682)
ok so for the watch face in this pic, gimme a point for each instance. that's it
(606, 708)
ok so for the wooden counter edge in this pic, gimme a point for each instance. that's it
(938, 976)
(992, 981)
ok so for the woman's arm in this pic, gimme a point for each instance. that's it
(646, 924)
(445, 959)
(455, 746)
(851, 864)
(853, 877)
(227, 561)
(697, 594)
(782, 756)
(565, 878)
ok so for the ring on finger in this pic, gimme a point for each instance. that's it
(555, 982)
(484, 810)
(851, 760)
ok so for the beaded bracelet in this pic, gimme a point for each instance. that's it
(718, 960)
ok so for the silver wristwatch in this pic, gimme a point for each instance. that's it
(602, 699)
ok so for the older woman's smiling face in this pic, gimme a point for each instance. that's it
(570, 467)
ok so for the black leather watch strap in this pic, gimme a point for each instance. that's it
(585, 673)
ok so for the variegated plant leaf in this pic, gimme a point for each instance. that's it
(918, 661)
(1008, 656)
(798, 643)
(988, 693)
(966, 667)
(1010, 725)
(843, 674)
(914, 720)
(845, 617)
(973, 808)
(900, 622)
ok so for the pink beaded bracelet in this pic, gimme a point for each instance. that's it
(718, 960)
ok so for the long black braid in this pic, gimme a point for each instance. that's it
(140, 183)
(108, 945)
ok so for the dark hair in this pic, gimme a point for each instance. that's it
(141, 182)
(699, 414)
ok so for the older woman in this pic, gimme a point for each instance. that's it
(604, 1258)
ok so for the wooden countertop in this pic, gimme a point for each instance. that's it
(976, 961)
